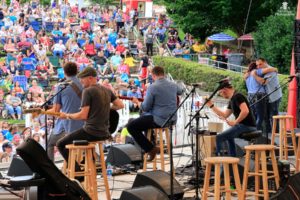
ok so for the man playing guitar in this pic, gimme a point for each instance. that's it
(95, 109)
(159, 103)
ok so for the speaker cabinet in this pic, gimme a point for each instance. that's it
(143, 193)
(18, 167)
(123, 154)
(160, 180)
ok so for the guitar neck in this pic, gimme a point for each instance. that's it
(130, 98)
(57, 114)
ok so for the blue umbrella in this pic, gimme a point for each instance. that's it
(221, 37)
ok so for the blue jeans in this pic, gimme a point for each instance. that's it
(259, 109)
(229, 135)
(60, 53)
(273, 109)
(11, 110)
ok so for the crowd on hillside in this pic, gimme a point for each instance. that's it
(36, 41)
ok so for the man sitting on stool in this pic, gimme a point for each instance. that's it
(239, 107)
(159, 103)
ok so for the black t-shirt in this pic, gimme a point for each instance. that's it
(234, 104)
(100, 60)
(98, 98)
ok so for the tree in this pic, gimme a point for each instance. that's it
(202, 18)
(274, 40)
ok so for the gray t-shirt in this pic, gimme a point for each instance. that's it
(99, 99)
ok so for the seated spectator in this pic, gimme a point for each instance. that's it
(30, 35)
(115, 61)
(29, 101)
(134, 92)
(89, 49)
(198, 48)
(13, 105)
(172, 42)
(107, 84)
(178, 51)
(59, 49)
(7, 152)
(12, 68)
(173, 32)
(101, 63)
(83, 61)
(56, 32)
(123, 68)
(35, 88)
(41, 53)
(120, 47)
(23, 45)
(110, 50)
(18, 89)
(10, 47)
(8, 23)
(72, 46)
(129, 60)
(5, 130)
(2, 141)
(38, 99)
(121, 87)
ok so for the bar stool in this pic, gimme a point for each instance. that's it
(103, 167)
(89, 173)
(298, 154)
(284, 135)
(260, 169)
(158, 132)
(225, 162)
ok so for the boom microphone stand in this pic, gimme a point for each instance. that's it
(171, 140)
(197, 117)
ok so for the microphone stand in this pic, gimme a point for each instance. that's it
(197, 117)
(45, 105)
(267, 95)
(171, 140)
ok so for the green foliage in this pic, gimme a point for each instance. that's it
(191, 72)
(106, 2)
(274, 40)
(202, 18)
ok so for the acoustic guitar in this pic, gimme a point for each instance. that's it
(113, 116)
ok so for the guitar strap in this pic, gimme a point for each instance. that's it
(76, 89)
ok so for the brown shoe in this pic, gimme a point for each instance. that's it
(153, 153)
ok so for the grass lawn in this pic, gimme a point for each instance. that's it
(14, 121)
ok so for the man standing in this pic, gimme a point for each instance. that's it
(67, 101)
(269, 77)
(159, 103)
(95, 109)
(239, 107)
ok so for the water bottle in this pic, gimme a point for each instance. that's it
(109, 171)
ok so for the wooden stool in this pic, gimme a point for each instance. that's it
(103, 167)
(298, 154)
(217, 162)
(284, 135)
(89, 173)
(158, 132)
(260, 169)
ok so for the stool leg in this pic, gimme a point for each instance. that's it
(245, 177)
(275, 168)
(285, 144)
(71, 165)
(227, 181)
(257, 168)
(92, 172)
(103, 166)
(155, 142)
(298, 155)
(273, 131)
(146, 154)
(237, 180)
(264, 174)
(280, 139)
(167, 132)
(161, 146)
(293, 136)
(217, 181)
(206, 181)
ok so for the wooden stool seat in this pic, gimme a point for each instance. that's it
(260, 169)
(89, 172)
(158, 132)
(218, 189)
(283, 135)
(219, 160)
(260, 147)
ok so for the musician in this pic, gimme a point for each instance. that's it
(159, 104)
(95, 109)
(239, 107)
(68, 101)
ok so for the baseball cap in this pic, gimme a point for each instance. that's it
(88, 71)
(224, 83)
